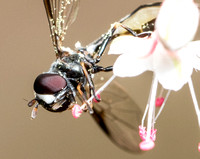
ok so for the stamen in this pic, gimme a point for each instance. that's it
(145, 114)
(151, 107)
(99, 90)
(160, 99)
(150, 134)
(143, 133)
(162, 106)
(161, 92)
(98, 96)
(199, 147)
(196, 106)
(147, 145)
(76, 111)
(147, 106)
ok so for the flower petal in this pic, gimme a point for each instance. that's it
(177, 22)
(173, 70)
(127, 66)
(193, 48)
(128, 44)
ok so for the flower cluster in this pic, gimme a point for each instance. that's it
(169, 53)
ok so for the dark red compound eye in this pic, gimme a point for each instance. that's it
(49, 83)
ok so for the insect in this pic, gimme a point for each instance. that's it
(71, 74)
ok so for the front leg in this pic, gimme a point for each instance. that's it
(83, 96)
(97, 69)
(90, 82)
(97, 48)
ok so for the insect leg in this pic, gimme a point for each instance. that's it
(90, 82)
(105, 39)
(82, 93)
(97, 68)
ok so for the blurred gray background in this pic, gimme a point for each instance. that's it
(26, 51)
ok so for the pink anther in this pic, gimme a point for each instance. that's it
(143, 133)
(199, 147)
(76, 111)
(153, 134)
(159, 101)
(98, 96)
(147, 145)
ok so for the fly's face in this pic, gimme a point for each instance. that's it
(47, 86)
(56, 89)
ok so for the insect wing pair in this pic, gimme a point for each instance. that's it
(117, 114)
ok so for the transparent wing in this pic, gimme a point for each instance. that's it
(119, 117)
(138, 18)
(61, 14)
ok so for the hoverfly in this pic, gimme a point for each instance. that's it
(71, 74)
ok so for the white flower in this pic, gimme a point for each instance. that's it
(172, 59)
(173, 69)
(177, 22)
(168, 53)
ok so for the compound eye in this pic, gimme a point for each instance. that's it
(49, 83)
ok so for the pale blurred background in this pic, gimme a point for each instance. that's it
(26, 51)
